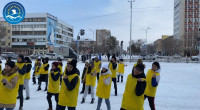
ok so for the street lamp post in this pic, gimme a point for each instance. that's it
(131, 3)
(146, 30)
(93, 33)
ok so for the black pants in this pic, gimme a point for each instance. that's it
(60, 79)
(122, 109)
(59, 107)
(43, 78)
(33, 78)
(151, 102)
(115, 84)
(20, 94)
(98, 77)
(83, 89)
(49, 95)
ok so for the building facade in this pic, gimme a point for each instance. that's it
(5, 35)
(39, 33)
(102, 35)
(186, 24)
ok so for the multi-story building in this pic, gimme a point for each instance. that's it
(158, 46)
(86, 46)
(39, 33)
(5, 35)
(186, 23)
(102, 35)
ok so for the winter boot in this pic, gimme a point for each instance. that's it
(38, 89)
(45, 89)
(20, 108)
(50, 109)
(81, 92)
(92, 101)
(118, 78)
(122, 79)
(83, 101)
(27, 98)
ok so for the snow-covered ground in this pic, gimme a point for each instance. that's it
(178, 89)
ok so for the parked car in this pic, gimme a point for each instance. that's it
(148, 57)
(35, 56)
(195, 58)
(9, 54)
(176, 56)
(53, 56)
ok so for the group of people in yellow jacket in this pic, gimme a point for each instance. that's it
(13, 78)
(138, 87)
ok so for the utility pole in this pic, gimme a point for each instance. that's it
(146, 30)
(93, 33)
(131, 3)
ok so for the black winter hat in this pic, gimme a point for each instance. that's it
(114, 58)
(59, 59)
(28, 60)
(121, 59)
(11, 64)
(21, 56)
(140, 67)
(157, 64)
(73, 63)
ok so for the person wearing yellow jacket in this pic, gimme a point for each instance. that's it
(54, 84)
(133, 97)
(9, 85)
(44, 70)
(113, 69)
(68, 95)
(0, 68)
(90, 81)
(104, 87)
(139, 61)
(121, 66)
(27, 76)
(21, 72)
(97, 64)
(36, 69)
(60, 66)
(153, 78)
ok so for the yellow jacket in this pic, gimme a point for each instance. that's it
(61, 70)
(104, 85)
(130, 100)
(54, 86)
(8, 96)
(42, 69)
(21, 77)
(91, 77)
(113, 71)
(150, 90)
(121, 68)
(66, 97)
(27, 74)
(0, 70)
(97, 66)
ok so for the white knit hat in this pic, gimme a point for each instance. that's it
(105, 66)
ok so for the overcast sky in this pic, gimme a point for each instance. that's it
(112, 15)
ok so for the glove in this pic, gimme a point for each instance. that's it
(4, 81)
